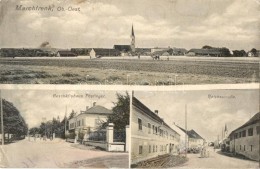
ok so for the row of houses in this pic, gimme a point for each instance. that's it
(123, 50)
(151, 136)
(245, 140)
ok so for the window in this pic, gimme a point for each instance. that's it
(156, 130)
(236, 135)
(153, 129)
(150, 148)
(140, 149)
(153, 148)
(83, 122)
(139, 124)
(244, 147)
(239, 134)
(240, 147)
(251, 147)
(156, 149)
(244, 133)
(258, 130)
(149, 128)
(250, 132)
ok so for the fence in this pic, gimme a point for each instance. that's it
(97, 136)
(119, 136)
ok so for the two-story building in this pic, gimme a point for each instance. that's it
(246, 138)
(150, 135)
(89, 120)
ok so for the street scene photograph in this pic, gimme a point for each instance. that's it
(130, 42)
(195, 129)
(64, 129)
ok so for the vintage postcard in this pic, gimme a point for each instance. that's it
(195, 129)
(64, 129)
(129, 42)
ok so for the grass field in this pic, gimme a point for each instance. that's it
(128, 71)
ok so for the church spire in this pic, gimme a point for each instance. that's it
(133, 34)
(133, 39)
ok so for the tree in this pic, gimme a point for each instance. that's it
(254, 51)
(207, 47)
(14, 123)
(121, 111)
(72, 114)
(239, 53)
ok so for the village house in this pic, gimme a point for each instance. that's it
(245, 139)
(100, 52)
(89, 120)
(65, 53)
(151, 136)
(194, 140)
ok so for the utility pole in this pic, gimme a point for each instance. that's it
(2, 118)
(186, 130)
(65, 121)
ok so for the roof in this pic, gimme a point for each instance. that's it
(255, 119)
(148, 112)
(98, 110)
(192, 133)
(124, 48)
(66, 53)
(214, 51)
(161, 53)
(106, 52)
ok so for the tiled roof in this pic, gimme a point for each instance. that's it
(148, 112)
(191, 133)
(98, 110)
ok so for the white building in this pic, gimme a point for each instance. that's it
(89, 120)
(150, 135)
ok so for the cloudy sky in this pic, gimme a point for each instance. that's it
(34, 105)
(206, 116)
(103, 23)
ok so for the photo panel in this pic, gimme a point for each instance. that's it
(215, 128)
(64, 128)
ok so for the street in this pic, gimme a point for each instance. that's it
(216, 160)
(58, 153)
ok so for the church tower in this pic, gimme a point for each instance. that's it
(133, 39)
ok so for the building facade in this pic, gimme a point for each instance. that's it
(151, 136)
(245, 140)
(89, 120)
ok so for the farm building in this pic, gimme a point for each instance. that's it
(219, 52)
(161, 53)
(194, 139)
(98, 52)
(252, 54)
(245, 139)
(151, 136)
(65, 53)
(81, 51)
(89, 120)
(177, 51)
(143, 51)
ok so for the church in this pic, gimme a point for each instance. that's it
(126, 49)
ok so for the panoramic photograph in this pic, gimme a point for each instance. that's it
(64, 129)
(159, 42)
(195, 129)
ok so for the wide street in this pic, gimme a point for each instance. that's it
(217, 160)
(58, 153)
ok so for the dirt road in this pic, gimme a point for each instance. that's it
(57, 153)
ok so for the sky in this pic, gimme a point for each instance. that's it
(157, 23)
(206, 115)
(34, 105)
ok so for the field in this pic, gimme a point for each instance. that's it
(132, 71)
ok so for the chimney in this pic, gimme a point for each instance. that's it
(87, 108)
(94, 104)
(156, 112)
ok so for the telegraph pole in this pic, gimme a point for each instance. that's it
(2, 118)
(186, 130)
(65, 121)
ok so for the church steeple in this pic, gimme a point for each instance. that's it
(133, 39)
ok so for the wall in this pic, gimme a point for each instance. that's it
(152, 144)
(100, 144)
(247, 142)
